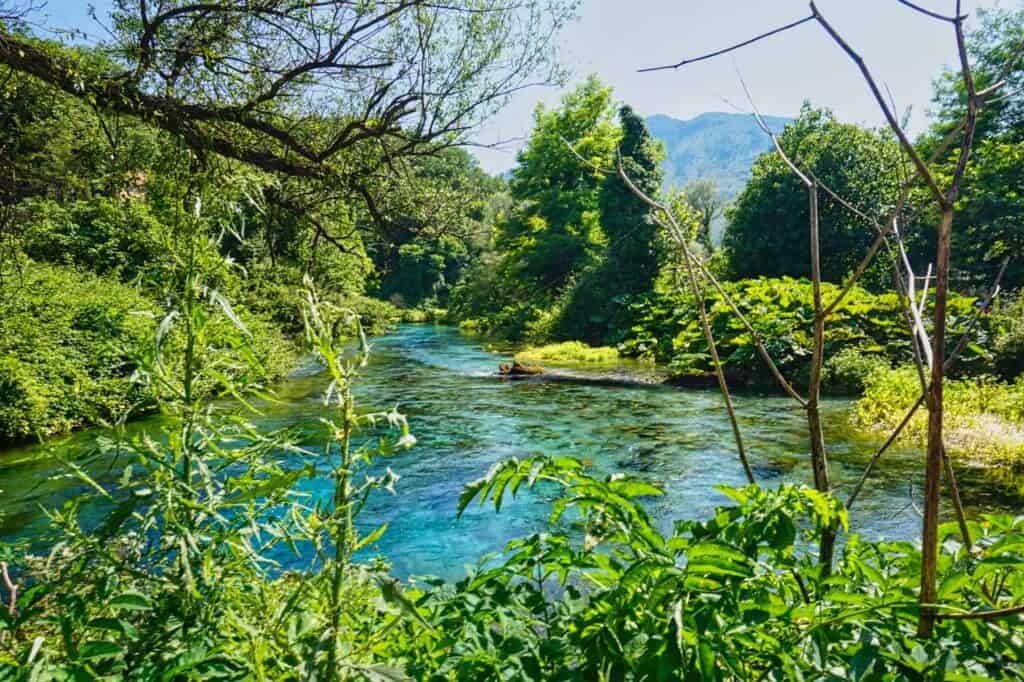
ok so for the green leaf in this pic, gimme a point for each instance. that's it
(371, 538)
(131, 601)
(98, 649)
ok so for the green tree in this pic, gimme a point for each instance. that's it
(628, 267)
(431, 226)
(994, 50)
(555, 229)
(767, 232)
(630, 227)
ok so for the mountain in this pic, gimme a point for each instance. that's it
(714, 146)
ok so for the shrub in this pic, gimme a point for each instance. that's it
(107, 236)
(782, 312)
(847, 372)
(68, 341)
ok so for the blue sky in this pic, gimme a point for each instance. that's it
(613, 38)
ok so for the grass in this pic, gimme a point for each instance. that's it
(984, 417)
(568, 353)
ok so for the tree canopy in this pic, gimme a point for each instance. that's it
(767, 229)
(341, 90)
(555, 228)
(989, 223)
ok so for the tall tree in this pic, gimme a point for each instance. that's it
(767, 229)
(629, 265)
(555, 229)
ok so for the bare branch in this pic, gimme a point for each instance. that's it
(949, 364)
(737, 46)
(927, 12)
(676, 231)
(890, 116)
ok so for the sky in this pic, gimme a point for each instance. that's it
(614, 38)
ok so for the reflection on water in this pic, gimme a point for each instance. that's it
(465, 420)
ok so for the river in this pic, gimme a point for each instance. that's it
(465, 420)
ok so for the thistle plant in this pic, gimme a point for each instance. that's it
(329, 330)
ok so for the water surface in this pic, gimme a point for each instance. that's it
(465, 420)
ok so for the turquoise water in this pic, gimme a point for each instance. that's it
(465, 420)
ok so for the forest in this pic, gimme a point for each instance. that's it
(232, 234)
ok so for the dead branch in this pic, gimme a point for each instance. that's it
(676, 231)
(726, 50)
(927, 12)
(950, 363)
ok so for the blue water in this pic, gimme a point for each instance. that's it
(465, 420)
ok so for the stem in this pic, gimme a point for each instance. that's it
(819, 456)
(343, 531)
(709, 338)
(933, 463)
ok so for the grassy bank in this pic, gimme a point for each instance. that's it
(984, 416)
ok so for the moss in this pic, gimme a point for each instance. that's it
(424, 315)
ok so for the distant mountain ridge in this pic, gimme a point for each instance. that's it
(716, 146)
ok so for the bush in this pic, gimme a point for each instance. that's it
(782, 312)
(70, 342)
(847, 372)
(107, 236)
(67, 343)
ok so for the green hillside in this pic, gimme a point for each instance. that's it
(716, 146)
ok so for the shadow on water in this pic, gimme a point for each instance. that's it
(465, 421)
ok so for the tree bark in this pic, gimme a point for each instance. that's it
(819, 455)
(933, 462)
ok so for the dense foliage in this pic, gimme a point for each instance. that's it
(629, 263)
(68, 347)
(576, 245)
(781, 311)
(91, 205)
(767, 229)
(217, 178)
